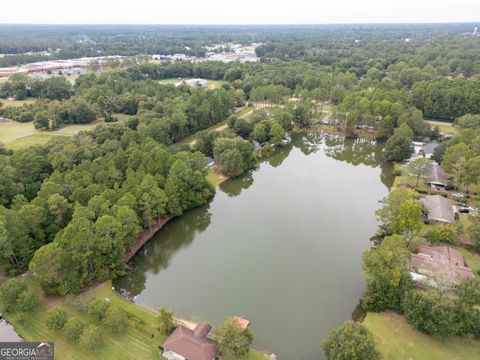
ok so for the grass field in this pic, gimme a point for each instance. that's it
(398, 340)
(215, 178)
(472, 260)
(211, 84)
(445, 127)
(138, 340)
(130, 343)
(15, 135)
(6, 102)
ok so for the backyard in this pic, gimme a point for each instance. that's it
(398, 340)
(139, 339)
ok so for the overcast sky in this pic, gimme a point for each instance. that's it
(237, 12)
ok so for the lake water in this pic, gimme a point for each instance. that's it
(280, 246)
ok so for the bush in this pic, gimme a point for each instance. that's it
(57, 318)
(351, 341)
(442, 233)
(73, 329)
(429, 312)
(114, 318)
(167, 323)
(98, 309)
(90, 337)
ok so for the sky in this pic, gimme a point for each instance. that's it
(237, 12)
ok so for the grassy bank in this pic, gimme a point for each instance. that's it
(135, 341)
(398, 340)
(138, 340)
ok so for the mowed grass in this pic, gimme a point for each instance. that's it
(211, 84)
(215, 178)
(398, 340)
(445, 127)
(129, 343)
(139, 339)
(472, 260)
(16, 103)
(15, 135)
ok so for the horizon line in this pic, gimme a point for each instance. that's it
(245, 24)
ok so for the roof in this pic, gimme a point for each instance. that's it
(437, 175)
(430, 259)
(439, 209)
(430, 146)
(192, 344)
(242, 322)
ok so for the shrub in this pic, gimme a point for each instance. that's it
(90, 337)
(167, 323)
(429, 312)
(114, 318)
(73, 329)
(57, 319)
(98, 309)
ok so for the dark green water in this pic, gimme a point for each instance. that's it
(280, 246)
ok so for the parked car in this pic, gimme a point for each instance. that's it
(461, 204)
(458, 195)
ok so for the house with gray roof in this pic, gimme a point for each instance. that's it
(440, 210)
(437, 177)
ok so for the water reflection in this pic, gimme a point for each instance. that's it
(270, 253)
(235, 187)
(156, 255)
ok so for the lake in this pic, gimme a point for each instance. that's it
(280, 246)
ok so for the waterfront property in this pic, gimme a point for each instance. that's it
(440, 210)
(194, 344)
(432, 260)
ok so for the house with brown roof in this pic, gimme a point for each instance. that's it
(440, 210)
(432, 260)
(186, 344)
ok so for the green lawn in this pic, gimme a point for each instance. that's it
(398, 340)
(211, 84)
(133, 342)
(6, 102)
(138, 340)
(215, 178)
(15, 135)
(445, 127)
(472, 260)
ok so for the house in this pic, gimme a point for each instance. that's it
(440, 210)
(186, 344)
(432, 260)
(438, 177)
(429, 147)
